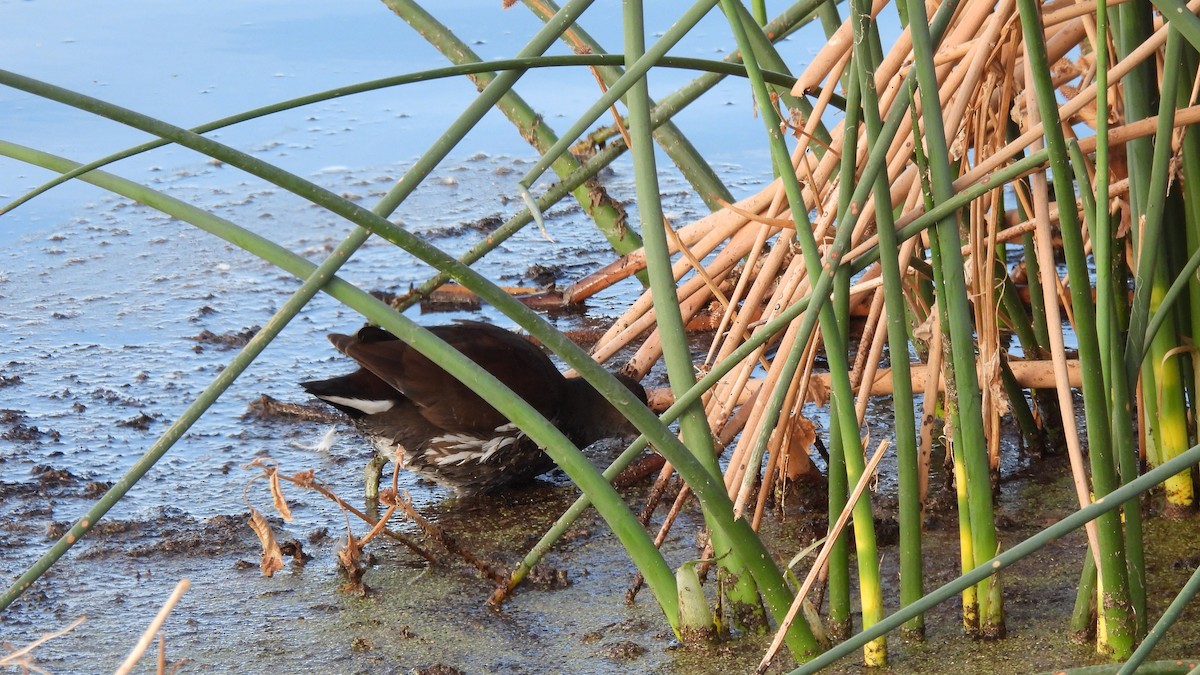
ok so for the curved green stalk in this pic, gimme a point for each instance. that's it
(705, 487)
(608, 502)
(514, 64)
(663, 581)
(518, 221)
(698, 478)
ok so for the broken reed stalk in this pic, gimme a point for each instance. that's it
(23, 657)
(822, 558)
(155, 626)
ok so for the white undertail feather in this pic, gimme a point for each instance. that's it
(367, 406)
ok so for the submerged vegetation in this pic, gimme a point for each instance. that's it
(1000, 189)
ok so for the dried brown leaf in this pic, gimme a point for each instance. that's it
(388, 497)
(797, 461)
(350, 562)
(272, 557)
(924, 330)
(281, 504)
(999, 397)
(818, 391)
(305, 479)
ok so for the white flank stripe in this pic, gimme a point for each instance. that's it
(367, 406)
(457, 441)
(459, 458)
(492, 446)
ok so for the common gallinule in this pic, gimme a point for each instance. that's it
(438, 428)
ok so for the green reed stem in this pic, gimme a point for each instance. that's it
(608, 502)
(911, 574)
(1172, 419)
(833, 336)
(752, 344)
(717, 68)
(693, 424)
(1133, 26)
(1109, 296)
(657, 575)
(1083, 616)
(692, 165)
(1119, 621)
(969, 440)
